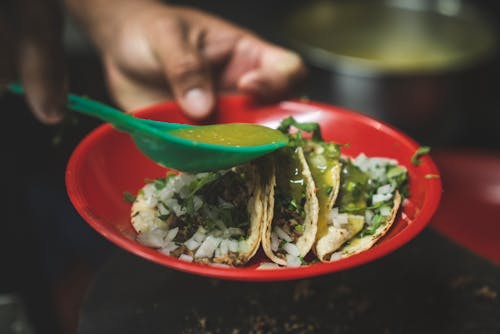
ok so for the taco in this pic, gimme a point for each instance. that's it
(366, 207)
(292, 209)
(212, 217)
(324, 162)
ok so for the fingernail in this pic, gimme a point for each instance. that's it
(50, 116)
(197, 103)
(54, 116)
(289, 62)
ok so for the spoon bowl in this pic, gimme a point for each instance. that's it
(158, 140)
(183, 154)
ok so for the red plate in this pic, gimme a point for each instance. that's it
(106, 164)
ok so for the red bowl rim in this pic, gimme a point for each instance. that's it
(429, 207)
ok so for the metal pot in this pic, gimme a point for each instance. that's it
(418, 65)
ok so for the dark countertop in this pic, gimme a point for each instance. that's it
(429, 286)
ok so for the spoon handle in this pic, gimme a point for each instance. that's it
(120, 120)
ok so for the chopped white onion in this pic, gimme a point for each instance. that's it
(224, 247)
(197, 202)
(208, 247)
(149, 195)
(293, 261)
(233, 245)
(282, 234)
(191, 244)
(172, 233)
(385, 189)
(369, 216)
(340, 220)
(375, 167)
(171, 246)
(162, 209)
(199, 236)
(318, 160)
(153, 238)
(336, 256)
(377, 198)
(385, 211)
(180, 184)
(185, 257)
(291, 249)
(243, 246)
(174, 205)
(232, 231)
(275, 242)
(335, 212)
(268, 265)
(361, 161)
(223, 204)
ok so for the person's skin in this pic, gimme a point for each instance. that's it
(153, 51)
(30, 36)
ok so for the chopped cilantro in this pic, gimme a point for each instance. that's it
(370, 230)
(189, 205)
(163, 217)
(197, 184)
(299, 228)
(295, 139)
(294, 204)
(160, 183)
(351, 186)
(415, 159)
(395, 171)
(309, 127)
(129, 197)
(351, 207)
(210, 225)
(329, 190)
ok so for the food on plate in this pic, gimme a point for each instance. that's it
(324, 161)
(365, 209)
(291, 221)
(206, 218)
(306, 196)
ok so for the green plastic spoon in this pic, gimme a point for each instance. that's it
(168, 143)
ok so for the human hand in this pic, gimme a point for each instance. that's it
(153, 51)
(32, 50)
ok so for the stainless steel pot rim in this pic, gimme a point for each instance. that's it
(363, 67)
(334, 60)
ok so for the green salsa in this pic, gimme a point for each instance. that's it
(289, 179)
(354, 188)
(235, 134)
(321, 163)
(322, 159)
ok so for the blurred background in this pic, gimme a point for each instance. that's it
(429, 68)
